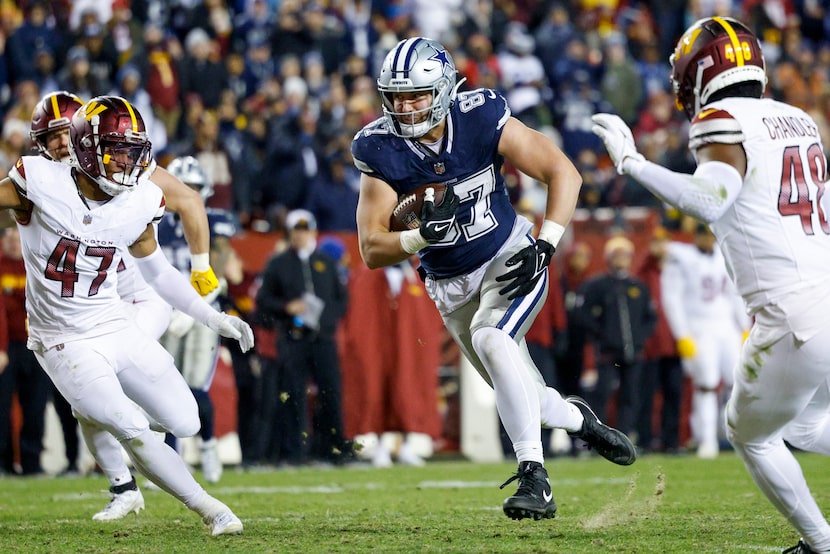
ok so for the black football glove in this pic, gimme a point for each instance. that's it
(532, 262)
(437, 221)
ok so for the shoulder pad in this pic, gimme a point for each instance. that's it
(714, 126)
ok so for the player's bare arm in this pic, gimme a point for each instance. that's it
(379, 247)
(186, 202)
(538, 157)
(189, 205)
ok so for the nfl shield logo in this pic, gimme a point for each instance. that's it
(87, 219)
(439, 168)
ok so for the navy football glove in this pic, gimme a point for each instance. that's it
(532, 262)
(437, 221)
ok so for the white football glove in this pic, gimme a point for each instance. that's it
(233, 328)
(617, 138)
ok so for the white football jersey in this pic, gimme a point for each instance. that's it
(72, 252)
(697, 293)
(775, 238)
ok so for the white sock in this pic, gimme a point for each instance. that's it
(107, 452)
(517, 392)
(558, 414)
(164, 467)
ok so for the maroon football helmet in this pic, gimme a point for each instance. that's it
(714, 53)
(108, 129)
(54, 111)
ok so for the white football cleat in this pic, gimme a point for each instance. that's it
(382, 457)
(408, 457)
(121, 505)
(708, 451)
(224, 523)
(211, 464)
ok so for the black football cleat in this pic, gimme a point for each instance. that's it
(801, 548)
(611, 444)
(534, 498)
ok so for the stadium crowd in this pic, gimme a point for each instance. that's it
(268, 94)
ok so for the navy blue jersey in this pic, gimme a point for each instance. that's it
(469, 162)
(222, 223)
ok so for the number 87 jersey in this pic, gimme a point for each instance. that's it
(466, 160)
(776, 236)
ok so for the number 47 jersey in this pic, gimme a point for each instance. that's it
(72, 249)
(775, 238)
(468, 161)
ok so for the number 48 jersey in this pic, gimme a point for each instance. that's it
(775, 238)
(468, 161)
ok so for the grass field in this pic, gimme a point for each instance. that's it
(659, 504)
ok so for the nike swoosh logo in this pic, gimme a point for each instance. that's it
(706, 113)
(548, 496)
(439, 228)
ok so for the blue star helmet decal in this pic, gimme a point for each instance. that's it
(441, 56)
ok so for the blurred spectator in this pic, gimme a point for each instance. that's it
(21, 372)
(577, 103)
(36, 34)
(45, 70)
(333, 194)
(327, 32)
(621, 82)
(662, 371)
(76, 76)
(252, 25)
(303, 298)
(214, 17)
(434, 18)
(247, 367)
(260, 65)
(480, 65)
(617, 311)
(552, 37)
(14, 143)
(290, 37)
(291, 161)
(125, 34)
(570, 347)
(161, 75)
(201, 71)
(523, 78)
(26, 97)
(390, 348)
(209, 149)
(653, 69)
(482, 16)
(84, 11)
(128, 86)
(103, 58)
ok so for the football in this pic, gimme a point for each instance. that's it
(407, 214)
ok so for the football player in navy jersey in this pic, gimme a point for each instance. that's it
(195, 347)
(484, 271)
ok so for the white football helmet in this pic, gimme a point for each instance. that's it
(190, 172)
(414, 65)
